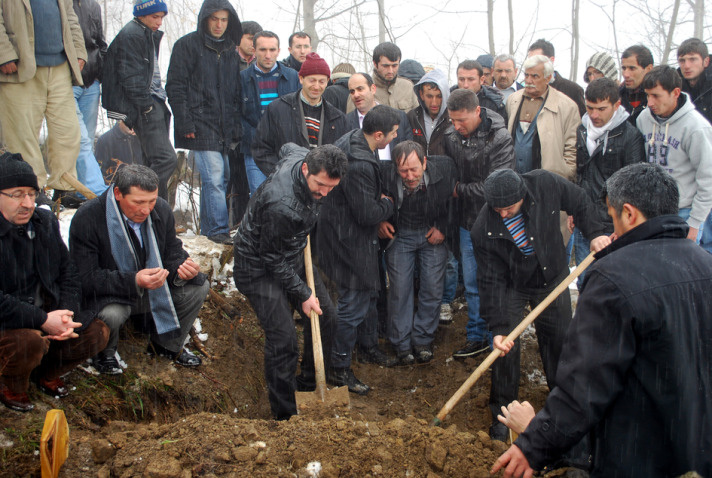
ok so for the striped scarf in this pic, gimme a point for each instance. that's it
(516, 228)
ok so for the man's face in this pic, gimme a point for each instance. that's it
(662, 102)
(300, 48)
(320, 184)
(465, 122)
(692, 65)
(18, 211)
(266, 52)
(433, 99)
(539, 51)
(504, 74)
(601, 112)
(363, 96)
(535, 83)
(313, 87)
(217, 23)
(247, 46)
(384, 140)
(137, 204)
(469, 80)
(633, 73)
(386, 68)
(487, 76)
(411, 170)
(593, 74)
(510, 211)
(153, 21)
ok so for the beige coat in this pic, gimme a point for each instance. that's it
(556, 127)
(17, 39)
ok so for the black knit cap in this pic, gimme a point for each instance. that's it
(15, 172)
(503, 188)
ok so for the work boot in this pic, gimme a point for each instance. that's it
(222, 239)
(405, 357)
(472, 349)
(375, 355)
(423, 353)
(345, 376)
(445, 314)
(15, 401)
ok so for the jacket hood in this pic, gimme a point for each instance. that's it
(234, 27)
(439, 78)
(411, 70)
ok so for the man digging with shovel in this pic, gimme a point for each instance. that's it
(521, 258)
(269, 266)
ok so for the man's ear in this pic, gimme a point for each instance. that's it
(630, 215)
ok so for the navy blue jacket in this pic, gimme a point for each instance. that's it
(288, 82)
(202, 84)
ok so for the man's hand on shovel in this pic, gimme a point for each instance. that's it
(501, 343)
(312, 303)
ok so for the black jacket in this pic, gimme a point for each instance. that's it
(283, 122)
(404, 132)
(570, 89)
(628, 96)
(203, 84)
(500, 261)
(637, 367)
(293, 63)
(128, 70)
(347, 233)
(102, 282)
(701, 93)
(442, 174)
(338, 93)
(625, 145)
(492, 99)
(114, 148)
(53, 268)
(271, 238)
(487, 149)
(417, 127)
(89, 15)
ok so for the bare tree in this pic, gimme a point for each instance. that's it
(510, 14)
(490, 26)
(575, 8)
(698, 11)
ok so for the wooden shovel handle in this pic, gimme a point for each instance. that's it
(512, 336)
(315, 329)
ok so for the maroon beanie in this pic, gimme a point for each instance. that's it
(314, 65)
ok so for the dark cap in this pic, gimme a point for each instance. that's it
(504, 188)
(15, 172)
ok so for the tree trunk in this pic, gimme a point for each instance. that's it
(490, 25)
(671, 31)
(699, 12)
(510, 11)
(381, 21)
(575, 7)
(309, 23)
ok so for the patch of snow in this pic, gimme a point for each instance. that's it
(313, 469)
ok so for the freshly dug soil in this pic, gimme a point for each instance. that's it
(159, 420)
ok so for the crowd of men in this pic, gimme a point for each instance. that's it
(398, 178)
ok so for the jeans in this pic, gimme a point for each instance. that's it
(406, 328)
(214, 175)
(255, 177)
(451, 277)
(704, 235)
(580, 247)
(355, 307)
(476, 326)
(88, 169)
(152, 130)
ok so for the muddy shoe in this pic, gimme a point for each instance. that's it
(15, 401)
(445, 314)
(472, 349)
(54, 388)
(405, 357)
(107, 365)
(499, 431)
(221, 239)
(375, 355)
(345, 376)
(423, 353)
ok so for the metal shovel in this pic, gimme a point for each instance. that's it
(339, 396)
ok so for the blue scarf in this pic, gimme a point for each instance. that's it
(164, 314)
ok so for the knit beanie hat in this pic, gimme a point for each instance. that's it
(15, 172)
(604, 63)
(148, 7)
(503, 188)
(485, 60)
(314, 65)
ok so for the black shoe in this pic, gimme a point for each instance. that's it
(68, 199)
(43, 200)
(423, 353)
(405, 357)
(221, 239)
(184, 357)
(306, 383)
(345, 376)
(107, 365)
(375, 355)
(472, 349)
(499, 431)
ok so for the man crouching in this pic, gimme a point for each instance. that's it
(269, 266)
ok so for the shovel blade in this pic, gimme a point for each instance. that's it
(336, 398)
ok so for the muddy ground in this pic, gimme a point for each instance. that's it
(157, 420)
